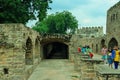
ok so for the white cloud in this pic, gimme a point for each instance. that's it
(93, 14)
(87, 21)
(87, 12)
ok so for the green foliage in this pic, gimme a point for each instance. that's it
(40, 27)
(61, 22)
(20, 11)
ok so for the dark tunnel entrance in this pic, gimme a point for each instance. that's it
(55, 50)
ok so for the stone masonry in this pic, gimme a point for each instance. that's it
(21, 48)
(110, 39)
(18, 50)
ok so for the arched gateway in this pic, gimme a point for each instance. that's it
(55, 46)
(55, 50)
(113, 42)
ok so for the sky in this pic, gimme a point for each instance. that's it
(89, 13)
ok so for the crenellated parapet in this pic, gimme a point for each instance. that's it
(91, 28)
(90, 31)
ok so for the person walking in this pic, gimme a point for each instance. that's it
(89, 51)
(79, 49)
(115, 56)
(83, 50)
(104, 53)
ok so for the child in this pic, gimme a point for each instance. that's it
(79, 49)
(110, 60)
(91, 55)
(104, 53)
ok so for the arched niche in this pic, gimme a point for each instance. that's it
(92, 45)
(29, 52)
(96, 48)
(113, 42)
(102, 43)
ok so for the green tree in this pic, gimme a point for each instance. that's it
(41, 27)
(20, 11)
(60, 22)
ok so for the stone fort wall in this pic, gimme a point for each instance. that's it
(113, 24)
(14, 53)
(90, 31)
(20, 49)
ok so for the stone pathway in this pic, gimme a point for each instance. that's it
(55, 69)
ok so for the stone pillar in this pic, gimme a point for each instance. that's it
(77, 61)
(71, 57)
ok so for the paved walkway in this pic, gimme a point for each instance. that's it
(55, 69)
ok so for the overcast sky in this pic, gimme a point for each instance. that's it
(87, 12)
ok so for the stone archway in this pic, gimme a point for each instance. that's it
(113, 42)
(29, 52)
(102, 43)
(55, 50)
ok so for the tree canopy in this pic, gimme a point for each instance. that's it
(20, 11)
(60, 22)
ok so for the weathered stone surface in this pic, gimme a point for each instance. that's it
(12, 53)
(21, 46)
